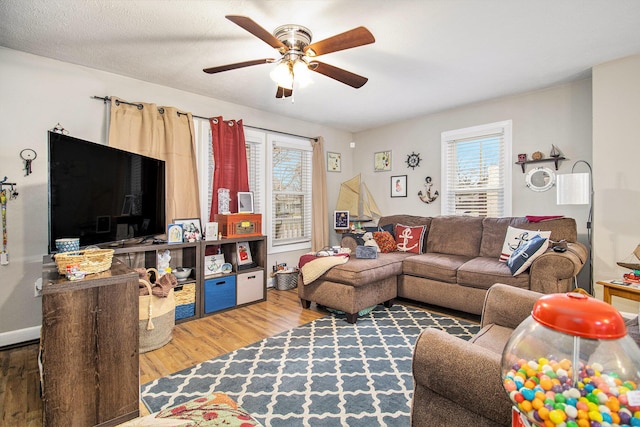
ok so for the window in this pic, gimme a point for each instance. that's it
(279, 178)
(289, 193)
(476, 179)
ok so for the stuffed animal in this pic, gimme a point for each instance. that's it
(370, 241)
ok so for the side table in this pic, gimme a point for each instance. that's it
(631, 291)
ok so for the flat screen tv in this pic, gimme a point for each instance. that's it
(101, 194)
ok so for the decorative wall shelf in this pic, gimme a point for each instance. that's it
(550, 159)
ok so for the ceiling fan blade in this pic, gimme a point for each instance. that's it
(353, 38)
(251, 26)
(338, 74)
(228, 67)
(283, 92)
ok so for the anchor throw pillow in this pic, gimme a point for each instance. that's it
(524, 256)
(410, 239)
(517, 237)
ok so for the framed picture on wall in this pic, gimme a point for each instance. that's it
(382, 161)
(399, 186)
(334, 162)
(341, 220)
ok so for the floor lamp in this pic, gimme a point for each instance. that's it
(577, 189)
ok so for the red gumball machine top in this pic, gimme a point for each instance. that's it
(579, 315)
(572, 362)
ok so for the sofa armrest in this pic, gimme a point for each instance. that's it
(507, 305)
(553, 272)
(465, 374)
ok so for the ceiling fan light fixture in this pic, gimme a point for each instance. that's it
(282, 74)
(291, 71)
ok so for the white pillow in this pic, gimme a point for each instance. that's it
(523, 257)
(517, 237)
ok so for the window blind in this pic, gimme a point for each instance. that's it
(290, 193)
(475, 175)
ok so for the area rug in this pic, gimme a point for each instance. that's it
(327, 372)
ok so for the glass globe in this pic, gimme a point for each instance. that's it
(571, 364)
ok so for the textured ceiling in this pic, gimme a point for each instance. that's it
(429, 55)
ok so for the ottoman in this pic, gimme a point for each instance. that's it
(355, 285)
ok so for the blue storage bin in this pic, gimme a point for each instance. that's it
(219, 293)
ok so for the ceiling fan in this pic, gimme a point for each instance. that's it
(297, 54)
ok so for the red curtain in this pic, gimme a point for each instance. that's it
(230, 159)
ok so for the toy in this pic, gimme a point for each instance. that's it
(370, 241)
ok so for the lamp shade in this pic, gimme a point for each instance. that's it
(573, 189)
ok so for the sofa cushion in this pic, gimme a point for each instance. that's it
(493, 233)
(411, 220)
(561, 228)
(517, 237)
(434, 266)
(385, 241)
(358, 272)
(455, 235)
(410, 239)
(483, 272)
(522, 257)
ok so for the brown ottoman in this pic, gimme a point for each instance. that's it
(355, 285)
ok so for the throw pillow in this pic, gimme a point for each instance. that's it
(517, 237)
(409, 239)
(388, 227)
(385, 241)
(522, 257)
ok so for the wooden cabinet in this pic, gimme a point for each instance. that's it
(182, 255)
(89, 347)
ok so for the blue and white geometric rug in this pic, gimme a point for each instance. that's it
(325, 373)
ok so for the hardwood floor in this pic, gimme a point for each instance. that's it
(193, 342)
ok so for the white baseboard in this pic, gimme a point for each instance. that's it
(19, 336)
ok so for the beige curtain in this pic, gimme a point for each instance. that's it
(165, 134)
(320, 215)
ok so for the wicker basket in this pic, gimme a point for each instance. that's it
(89, 261)
(286, 281)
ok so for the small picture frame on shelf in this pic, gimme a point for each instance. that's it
(174, 233)
(341, 220)
(213, 264)
(334, 162)
(382, 161)
(245, 202)
(244, 258)
(211, 231)
(191, 229)
(399, 186)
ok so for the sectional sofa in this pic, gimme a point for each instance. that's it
(459, 261)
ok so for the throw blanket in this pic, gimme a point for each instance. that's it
(315, 267)
(160, 287)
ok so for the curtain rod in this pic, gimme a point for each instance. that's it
(106, 99)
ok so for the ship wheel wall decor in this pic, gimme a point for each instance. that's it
(428, 196)
(413, 160)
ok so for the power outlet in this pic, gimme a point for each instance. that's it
(37, 288)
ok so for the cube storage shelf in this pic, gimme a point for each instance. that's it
(201, 294)
(245, 284)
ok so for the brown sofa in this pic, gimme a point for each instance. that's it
(466, 390)
(459, 265)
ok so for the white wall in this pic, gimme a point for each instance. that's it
(616, 153)
(37, 93)
(560, 115)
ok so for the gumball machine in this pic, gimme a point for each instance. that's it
(572, 364)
